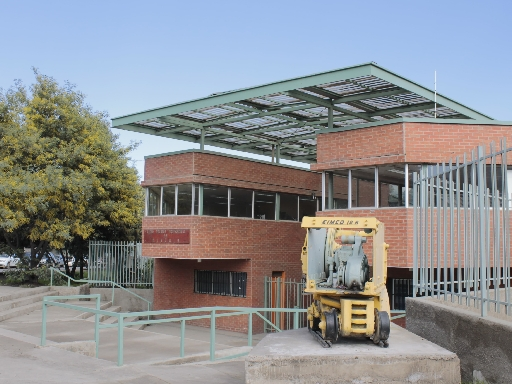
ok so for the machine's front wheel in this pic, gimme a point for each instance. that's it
(382, 328)
(331, 326)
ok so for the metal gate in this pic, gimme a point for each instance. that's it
(285, 293)
(461, 240)
(120, 262)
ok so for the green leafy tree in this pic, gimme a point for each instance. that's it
(64, 178)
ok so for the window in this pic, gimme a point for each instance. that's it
(307, 206)
(241, 203)
(184, 199)
(169, 202)
(363, 182)
(288, 207)
(153, 201)
(392, 185)
(222, 283)
(215, 200)
(264, 205)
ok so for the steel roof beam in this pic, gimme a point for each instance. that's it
(244, 137)
(371, 95)
(181, 121)
(328, 104)
(406, 108)
(258, 114)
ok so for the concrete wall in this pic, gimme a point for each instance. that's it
(483, 345)
(125, 300)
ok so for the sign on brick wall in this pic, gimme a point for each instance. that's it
(169, 236)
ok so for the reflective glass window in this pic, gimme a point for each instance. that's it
(153, 201)
(307, 206)
(265, 205)
(184, 199)
(289, 207)
(215, 200)
(169, 200)
(241, 202)
(363, 187)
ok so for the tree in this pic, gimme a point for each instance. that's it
(64, 178)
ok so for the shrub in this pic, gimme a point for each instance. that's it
(35, 276)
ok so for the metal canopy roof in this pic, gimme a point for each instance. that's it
(287, 115)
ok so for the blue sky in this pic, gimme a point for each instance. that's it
(127, 56)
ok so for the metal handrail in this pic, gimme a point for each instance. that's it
(212, 315)
(114, 285)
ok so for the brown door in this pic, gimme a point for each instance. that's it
(278, 297)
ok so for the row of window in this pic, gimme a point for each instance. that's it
(391, 185)
(222, 283)
(216, 200)
(374, 187)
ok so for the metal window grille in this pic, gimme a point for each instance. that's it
(224, 283)
(401, 288)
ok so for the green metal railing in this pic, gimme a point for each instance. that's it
(212, 313)
(104, 282)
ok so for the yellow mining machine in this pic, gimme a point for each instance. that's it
(348, 301)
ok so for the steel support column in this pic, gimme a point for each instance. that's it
(330, 202)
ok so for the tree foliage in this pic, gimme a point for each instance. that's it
(64, 178)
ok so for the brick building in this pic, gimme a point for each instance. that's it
(218, 224)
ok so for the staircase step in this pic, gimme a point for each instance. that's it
(140, 327)
(18, 311)
(103, 318)
(86, 315)
(25, 300)
(25, 292)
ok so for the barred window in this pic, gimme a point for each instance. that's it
(222, 283)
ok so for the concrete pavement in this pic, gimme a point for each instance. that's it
(150, 356)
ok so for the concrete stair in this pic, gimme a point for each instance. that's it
(106, 319)
(23, 301)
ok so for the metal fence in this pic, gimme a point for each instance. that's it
(285, 293)
(120, 262)
(461, 240)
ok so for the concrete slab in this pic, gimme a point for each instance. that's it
(295, 357)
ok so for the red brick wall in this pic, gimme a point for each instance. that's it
(403, 143)
(220, 169)
(435, 143)
(361, 147)
(257, 247)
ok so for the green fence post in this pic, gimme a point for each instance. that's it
(69, 281)
(97, 326)
(249, 335)
(51, 277)
(182, 340)
(43, 329)
(113, 287)
(120, 339)
(212, 336)
(296, 318)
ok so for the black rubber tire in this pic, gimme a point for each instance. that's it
(331, 325)
(382, 327)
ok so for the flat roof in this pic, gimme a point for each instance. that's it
(288, 114)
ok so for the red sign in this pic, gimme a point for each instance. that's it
(168, 236)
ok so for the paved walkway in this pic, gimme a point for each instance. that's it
(145, 352)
